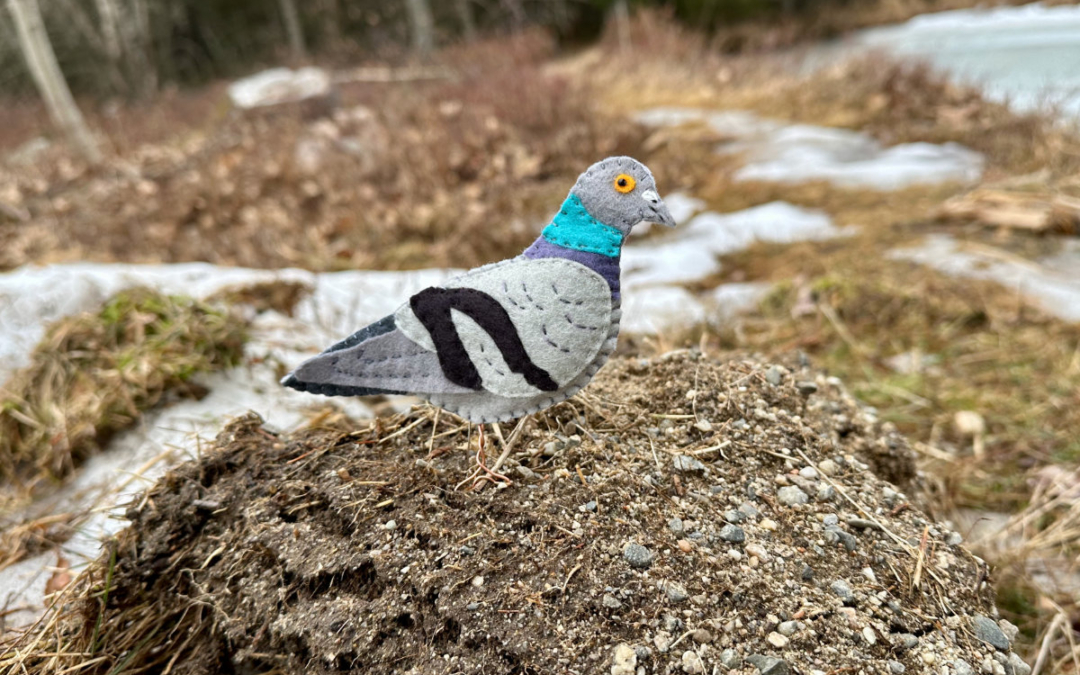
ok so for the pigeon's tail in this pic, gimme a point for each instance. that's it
(292, 382)
(380, 327)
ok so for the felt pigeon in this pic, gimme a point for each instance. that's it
(508, 339)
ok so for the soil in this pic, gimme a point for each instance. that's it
(653, 525)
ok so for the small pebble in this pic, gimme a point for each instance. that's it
(730, 659)
(962, 667)
(676, 526)
(869, 636)
(908, 641)
(843, 591)
(478, 581)
(777, 640)
(987, 630)
(688, 464)
(734, 516)
(788, 628)
(733, 534)
(624, 660)
(1018, 665)
(390, 525)
(472, 606)
(807, 572)
(806, 388)
(702, 636)
(826, 493)
(691, 663)
(808, 472)
(675, 592)
(774, 376)
(611, 602)
(828, 467)
(769, 665)
(896, 668)
(685, 546)
(768, 524)
(791, 496)
(638, 556)
(929, 658)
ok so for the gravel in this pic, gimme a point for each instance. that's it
(638, 556)
(843, 591)
(732, 534)
(791, 495)
(987, 630)
(769, 665)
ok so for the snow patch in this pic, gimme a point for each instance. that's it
(798, 153)
(1056, 290)
(279, 85)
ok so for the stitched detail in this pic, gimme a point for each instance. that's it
(575, 228)
(433, 307)
(578, 325)
(547, 339)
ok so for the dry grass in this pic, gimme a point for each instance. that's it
(94, 374)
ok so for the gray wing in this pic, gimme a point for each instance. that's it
(561, 310)
(378, 359)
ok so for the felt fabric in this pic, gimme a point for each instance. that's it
(560, 309)
(514, 337)
(433, 308)
(389, 362)
(605, 266)
(574, 228)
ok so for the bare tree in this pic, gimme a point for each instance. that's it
(422, 24)
(41, 61)
(621, 16)
(465, 15)
(293, 29)
(518, 18)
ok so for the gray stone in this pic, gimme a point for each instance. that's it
(769, 665)
(831, 520)
(702, 636)
(987, 630)
(834, 535)
(675, 592)
(826, 493)
(472, 606)
(688, 464)
(638, 556)
(734, 516)
(749, 509)
(843, 591)
(733, 534)
(962, 667)
(611, 602)
(807, 572)
(467, 550)
(676, 526)
(954, 539)
(774, 376)
(908, 641)
(806, 388)
(828, 467)
(672, 623)
(787, 628)
(1018, 665)
(896, 668)
(590, 506)
(791, 495)
(642, 652)
(729, 658)
(1010, 630)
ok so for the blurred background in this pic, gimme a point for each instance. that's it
(890, 187)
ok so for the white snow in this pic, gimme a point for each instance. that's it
(1028, 55)
(1053, 285)
(798, 153)
(279, 85)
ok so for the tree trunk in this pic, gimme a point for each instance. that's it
(141, 47)
(41, 60)
(109, 17)
(330, 17)
(423, 26)
(293, 30)
(518, 18)
(468, 26)
(621, 16)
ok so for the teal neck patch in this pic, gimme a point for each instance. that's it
(574, 228)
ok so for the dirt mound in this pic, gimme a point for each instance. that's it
(683, 515)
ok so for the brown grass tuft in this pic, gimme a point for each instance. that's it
(95, 373)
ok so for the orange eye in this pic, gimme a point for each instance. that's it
(624, 183)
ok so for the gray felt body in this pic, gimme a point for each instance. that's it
(561, 309)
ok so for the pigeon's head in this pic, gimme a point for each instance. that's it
(621, 192)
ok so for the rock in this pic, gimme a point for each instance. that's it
(702, 636)
(807, 573)
(691, 663)
(675, 592)
(624, 660)
(280, 85)
(908, 641)
(929, 658)
(610, 601)
(826, 493)
(704, 426)
(734, 516)
(962, 667)
(788, 628)
(808, 472)
(774, 376)
(954, 539)
(478, 581)
(768, 524)
(791, 495)
(749, 509)
(638, 556)
(1010, 630)
(896, 668)
(806, 387)
(390, 525)
(777, 640)
(662, 641)
(828, 467)
(472, 606)
(834, 535)
(676, 526)
(687, 464)
(733, 534)
(869, 636)
(1018, 666)
(730, 659)
(769, 665)
(987, 630)
(843, 591)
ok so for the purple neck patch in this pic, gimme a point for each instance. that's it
(605, 266)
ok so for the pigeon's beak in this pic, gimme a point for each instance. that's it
(660, 213)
